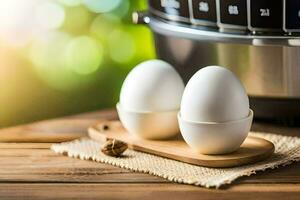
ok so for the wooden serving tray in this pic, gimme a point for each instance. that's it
(254, 149)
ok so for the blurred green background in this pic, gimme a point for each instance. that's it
(60, 57)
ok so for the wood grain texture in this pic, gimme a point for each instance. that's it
(32, 171)
(54, 130)
(147, 191)
(42, 165)
(14, 145)
(252, 150)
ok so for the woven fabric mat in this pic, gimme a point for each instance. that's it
(287, 150)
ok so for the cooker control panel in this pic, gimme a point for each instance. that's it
(255, 16)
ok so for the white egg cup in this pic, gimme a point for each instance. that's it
(215, 138)
(149, 125)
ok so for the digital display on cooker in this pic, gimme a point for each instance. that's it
(204, 10)
(178, 8)
(265, 14)
(292, 14)
(233, 12)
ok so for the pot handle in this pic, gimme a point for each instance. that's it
(140, 17)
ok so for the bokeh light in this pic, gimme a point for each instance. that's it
(66, 56)
(17, 22)
(50, 15)
(48, 50)
(103, 25)
(70, 2)
(102, 6)
(48, 55)
(121, 46)
(84, 55)
(77, 20)
(122, 9)
(13, 13)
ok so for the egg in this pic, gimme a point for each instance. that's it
(214, 94)
(215, 117)
(150, 100)
(153, 85)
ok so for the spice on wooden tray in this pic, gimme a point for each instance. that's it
(113, 147)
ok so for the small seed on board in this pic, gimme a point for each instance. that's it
(113, 147)
(103, 127)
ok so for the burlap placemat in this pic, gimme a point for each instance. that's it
(287, 150)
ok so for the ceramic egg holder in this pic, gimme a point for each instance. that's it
(211, 112)
(215, 138)
(149, 125)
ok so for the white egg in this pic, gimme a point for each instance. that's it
(214, 94)
(154, 86)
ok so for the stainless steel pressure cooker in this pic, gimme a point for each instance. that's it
(259, 40)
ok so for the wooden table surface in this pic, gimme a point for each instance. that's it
(29, 169)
